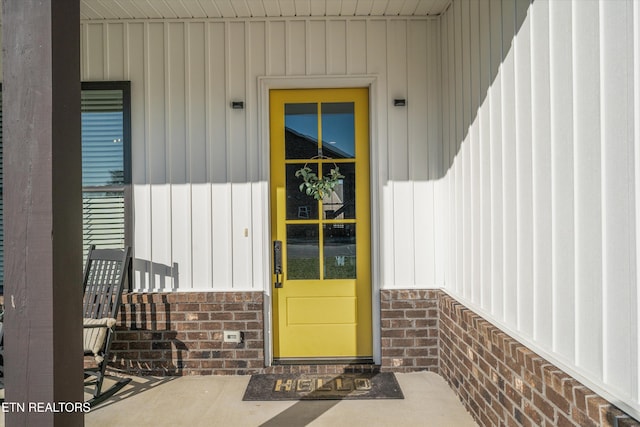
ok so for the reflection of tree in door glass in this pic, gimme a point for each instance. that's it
(299, 205)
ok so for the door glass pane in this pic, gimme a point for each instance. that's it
(341, 203)
(340, 251)
(300, 131)
(299, 204)
(303, 252)
(338, 130)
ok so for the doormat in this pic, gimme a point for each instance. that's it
(349, 386)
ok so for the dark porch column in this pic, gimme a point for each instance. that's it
(42, 211)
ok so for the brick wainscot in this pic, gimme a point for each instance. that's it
(503, 383)
(409, 330)
(182, 333)
(499, 380)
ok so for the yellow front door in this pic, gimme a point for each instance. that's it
(322, 272)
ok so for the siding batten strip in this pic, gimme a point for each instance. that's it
(126, 51)
(587, 175)
(562, 180)
(485, 155)
(632, 116)
(459, 133)
(541, 157)
(635, 15)
(105, 52)
(509, 165)
(473, 177)
(495, 123)
(465, 148)
(524, 173)
(617, 209)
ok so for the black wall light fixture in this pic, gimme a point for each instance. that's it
(399, 102)
(237, 105)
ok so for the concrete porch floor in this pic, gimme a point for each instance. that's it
(217, 401)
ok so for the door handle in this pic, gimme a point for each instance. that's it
(277, 262)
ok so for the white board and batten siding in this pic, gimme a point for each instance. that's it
(541, 131)
(200, 169)
(512, 177)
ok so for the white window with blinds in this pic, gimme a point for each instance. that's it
(106, 167)
(105, 164)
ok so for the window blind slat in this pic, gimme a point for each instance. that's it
(103, 219)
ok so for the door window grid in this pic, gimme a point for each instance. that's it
(331, 228)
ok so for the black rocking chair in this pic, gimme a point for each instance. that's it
(104, 279)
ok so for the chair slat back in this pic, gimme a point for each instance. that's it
(104, 279)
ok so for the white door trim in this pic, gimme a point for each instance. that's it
(378, 175)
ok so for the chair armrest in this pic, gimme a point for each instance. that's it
(94, 326)
(95, 334)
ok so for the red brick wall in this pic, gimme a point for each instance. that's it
(499, 380)
(182, 333)
(502, 382)
(409, 330)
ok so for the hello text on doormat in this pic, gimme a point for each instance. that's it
(381, 385)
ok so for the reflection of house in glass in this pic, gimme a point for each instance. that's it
(340, 204)
(301, 146)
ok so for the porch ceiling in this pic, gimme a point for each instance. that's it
(163, 9)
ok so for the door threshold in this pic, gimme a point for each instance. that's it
(323, 361)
